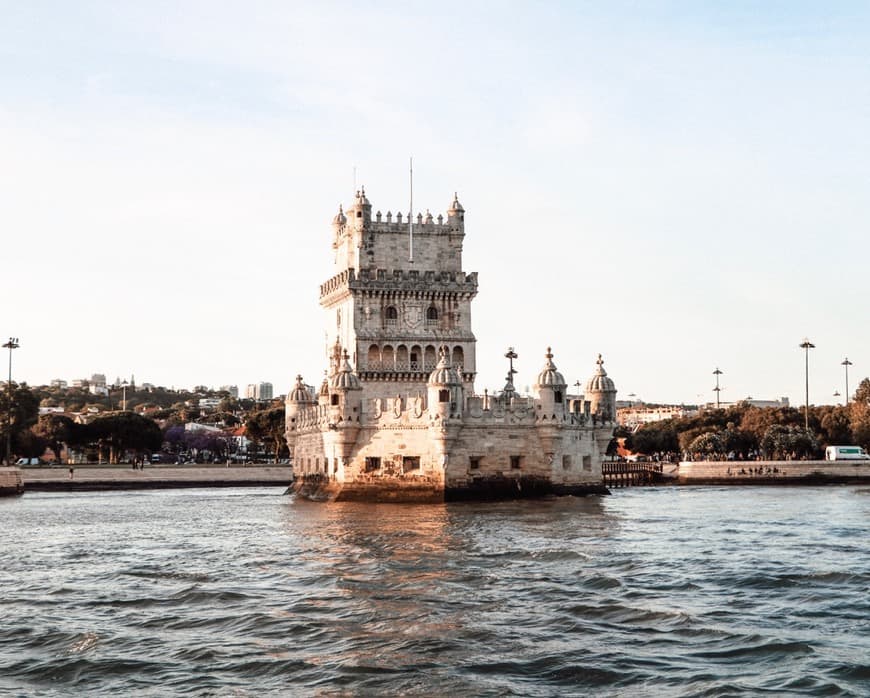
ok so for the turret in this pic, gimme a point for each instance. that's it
(551, 387)
(360, 213)
(345, 391)
(601, 394)
(456, 214)
(345, 400)
(444, 390)
(297, 398)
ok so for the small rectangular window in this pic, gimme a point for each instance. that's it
(410, 463)
(474, 462)
(516, 462)
(566, 462)
(373, 463)
(587, 462)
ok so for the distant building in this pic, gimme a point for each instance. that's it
(209, 403)
(80, 383)
(642, 414)
(58, 383)
(51, 410)
(233, 390)
(782, 402)
(97, 384)
(259, 391)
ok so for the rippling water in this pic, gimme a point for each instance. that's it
(660, 592)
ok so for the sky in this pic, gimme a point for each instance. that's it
(679, 186)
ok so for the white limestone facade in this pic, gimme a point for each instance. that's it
(396, 417)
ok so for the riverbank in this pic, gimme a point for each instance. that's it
(810, 472)
(97, 477)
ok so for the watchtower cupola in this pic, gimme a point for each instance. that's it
(551, 387)
(444, 389)
(601, 393)
(360, 213)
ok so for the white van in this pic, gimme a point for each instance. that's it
(846, 453)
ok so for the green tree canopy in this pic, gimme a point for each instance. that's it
(56, 430)
(267, 426)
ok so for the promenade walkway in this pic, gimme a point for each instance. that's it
(97, 477)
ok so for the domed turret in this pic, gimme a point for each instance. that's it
(361, 199)
(361, 211)
(444, 374)
(456, 214)
(445, 389)
(551, 385)
(299, 393)
(323, 393)
(345, 378)
(340, 219)
(297, 399)
(601, 393)
(549, 377)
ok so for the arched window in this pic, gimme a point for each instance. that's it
(374, 359)
(431, 315)
(458, 357)
(392, 315)
(402, 358)
(443, 396)
(430, 358)
(387, 358)
(334, 399)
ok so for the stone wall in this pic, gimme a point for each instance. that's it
(724, 472)
(10, 481)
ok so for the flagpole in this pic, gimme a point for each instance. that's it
(411, 217)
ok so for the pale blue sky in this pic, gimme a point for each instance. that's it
(678, 186)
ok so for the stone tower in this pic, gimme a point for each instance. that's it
(396, 417)
(398, 296)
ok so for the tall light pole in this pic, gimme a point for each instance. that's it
(10, 345)
(846, 363)
(806, 345)
(717, 373)
(124, 395)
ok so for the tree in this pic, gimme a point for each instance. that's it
(268, 426)
(709, 443)
(19, 410)
(781, 442)
(56, 430)
(859, 414)
(124, 431)
(835, 426)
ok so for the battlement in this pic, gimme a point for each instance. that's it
(393, 278)
(422, 224)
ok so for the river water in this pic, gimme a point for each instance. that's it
(245, 592)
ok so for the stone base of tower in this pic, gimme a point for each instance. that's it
(422, 491)
(527, 487)
(377, 490)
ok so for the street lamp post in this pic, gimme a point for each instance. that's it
(10, 345)
(717, 373)
(806, 345)
(846, 363)
(124, 396)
